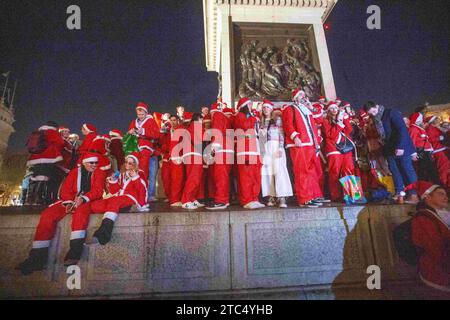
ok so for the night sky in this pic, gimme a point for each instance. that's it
(153, 51)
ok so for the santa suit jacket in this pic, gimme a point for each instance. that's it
(98, 146)
(419, 138)
(71, 186)
(436, 138)
(150, 133)
(247, 144)
(221, 123)
(53, 152)
(298, 122)
(193, 146)
(432, 236)
(334, 133)
(134, 188)
(86, 144)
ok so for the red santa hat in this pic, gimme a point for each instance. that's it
(425, 188)
(338, 100)
(134, 156)
(187, 116)
(228, 111)
(62, 128)
(346, 104)
(98, 145)
(142, 106)
(243, 102)
(322, 98)
(106, 137)
(90, 157)
(115, 133)
(416, 118)
(430, 119)
(297, 92)
(332, 105)
(268, 104)
(215, 107)
(89, 127)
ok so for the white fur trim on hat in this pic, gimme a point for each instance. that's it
(430, 190)
(133, 157)
(86, 128)
(91, 159)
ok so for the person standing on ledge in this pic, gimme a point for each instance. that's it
(431, 234)
(398, 149)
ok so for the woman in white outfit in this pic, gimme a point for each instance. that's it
(276, 183)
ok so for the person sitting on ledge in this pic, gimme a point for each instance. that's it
(128, 188)
(431, 234)
(82, 185)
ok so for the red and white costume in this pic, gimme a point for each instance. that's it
(193, 160)
(70, 190)
(148, 133)
(86, 144)
(339, 165)
(298, 122)
(176, 166)
(436, 138)
(418, 134)
(222, 142)
(99, 146)
(247, 155)
(53, 153)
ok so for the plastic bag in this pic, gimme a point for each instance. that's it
(130, 144)
(353, 191)
(388, 182)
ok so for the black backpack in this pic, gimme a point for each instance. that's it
(403, 243)
(37, 142)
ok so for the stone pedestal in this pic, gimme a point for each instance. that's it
(221, 16)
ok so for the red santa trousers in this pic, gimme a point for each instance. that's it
(317, 191)
(176, 182)
(305, 175)
(339, 165)
(194, 174)
(165, 176)
(144, 161)
(222, 169)
(49, 219)
(443, 166)
(249, 182)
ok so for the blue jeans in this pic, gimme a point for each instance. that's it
(403, 172)
(152, 173)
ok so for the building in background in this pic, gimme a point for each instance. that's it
(6, 113)
(441, 110)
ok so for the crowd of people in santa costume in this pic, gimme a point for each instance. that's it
(261, 154)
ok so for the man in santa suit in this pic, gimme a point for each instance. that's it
(247, 156)
(302, 142)
(83, 185)
(176, 166)
(320, 162)
(127, 189)
(147, 131)
(423, 161)
(222, 142)
(436, 138)
(206, 117)
(116, 149)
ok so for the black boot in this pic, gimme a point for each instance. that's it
(103, 234)
(36, 261)
(75, 252)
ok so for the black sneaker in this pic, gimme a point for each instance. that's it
(217, 206)
(310, 204)
(322, 200)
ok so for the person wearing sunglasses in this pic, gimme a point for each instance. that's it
(128, 188)
(83, 185)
